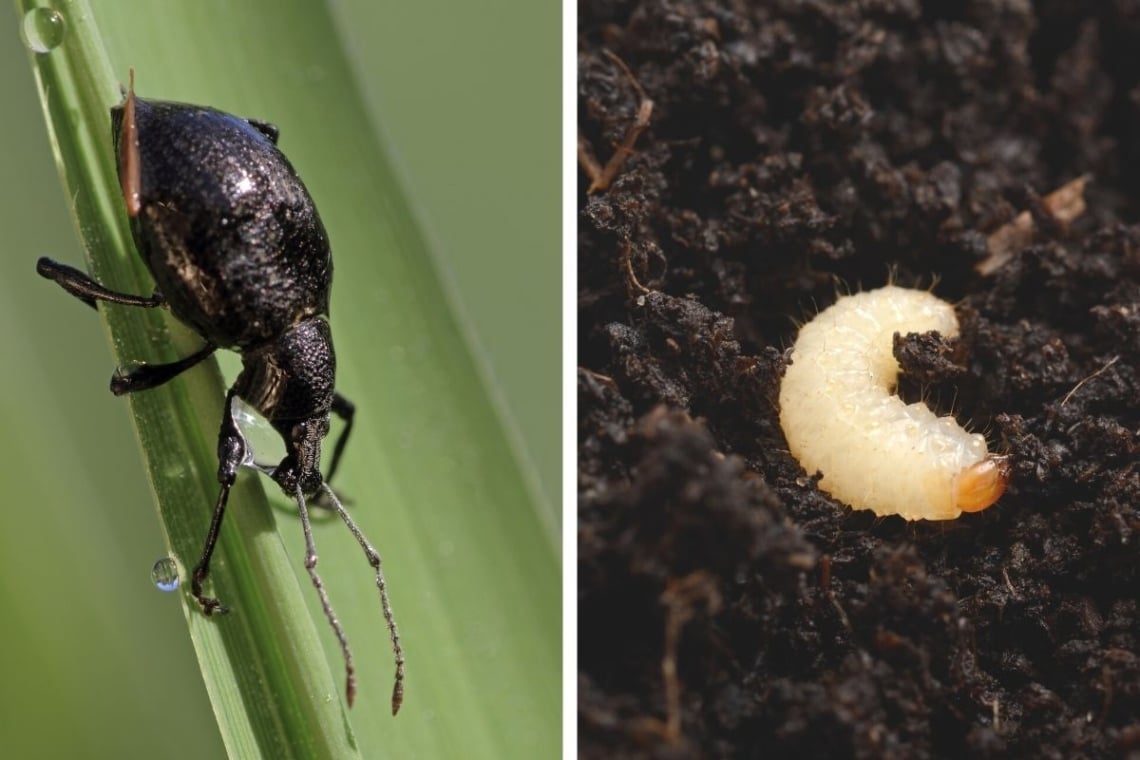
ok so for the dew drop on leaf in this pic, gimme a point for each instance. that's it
(43, 29)
(165, 574)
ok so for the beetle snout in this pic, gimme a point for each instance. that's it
(288, 476)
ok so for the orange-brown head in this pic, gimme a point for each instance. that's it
(982, 484)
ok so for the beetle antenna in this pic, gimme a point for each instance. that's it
(326, 605)
(374, 560)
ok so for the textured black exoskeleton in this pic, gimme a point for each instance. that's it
(239, 254)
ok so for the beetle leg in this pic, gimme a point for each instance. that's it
(346, 410)
(231, 453)
(80, 285)
(145, 376)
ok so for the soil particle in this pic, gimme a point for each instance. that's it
(794, 150)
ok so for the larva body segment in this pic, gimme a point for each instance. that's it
(841, 416)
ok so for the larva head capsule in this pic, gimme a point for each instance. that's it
(982, 484)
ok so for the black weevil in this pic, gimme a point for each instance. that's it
(239, 254)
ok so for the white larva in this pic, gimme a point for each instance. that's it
(841, 416)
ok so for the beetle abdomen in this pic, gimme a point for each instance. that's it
(225, 225)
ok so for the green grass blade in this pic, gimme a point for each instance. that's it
(471, 566)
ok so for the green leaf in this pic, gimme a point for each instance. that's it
(471, 563)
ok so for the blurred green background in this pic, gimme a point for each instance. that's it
(467, 99)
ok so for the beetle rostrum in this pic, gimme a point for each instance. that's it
(238, 253)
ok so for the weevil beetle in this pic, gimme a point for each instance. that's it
(238, 253)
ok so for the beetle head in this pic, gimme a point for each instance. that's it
(290, 382)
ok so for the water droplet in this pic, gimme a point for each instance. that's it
(43, 29)
(262, 441)
(165, 574)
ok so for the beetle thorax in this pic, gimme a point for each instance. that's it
(292, 378)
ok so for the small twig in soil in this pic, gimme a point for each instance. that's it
(1065, 204)
(825, 573)
(846, 621)
(680, 598)
(627, 259)
(1009, 584)
(602, 177)
(1100, 371)
(588, 162)
(599, 377)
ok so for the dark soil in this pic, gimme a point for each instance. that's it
(727, 607)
